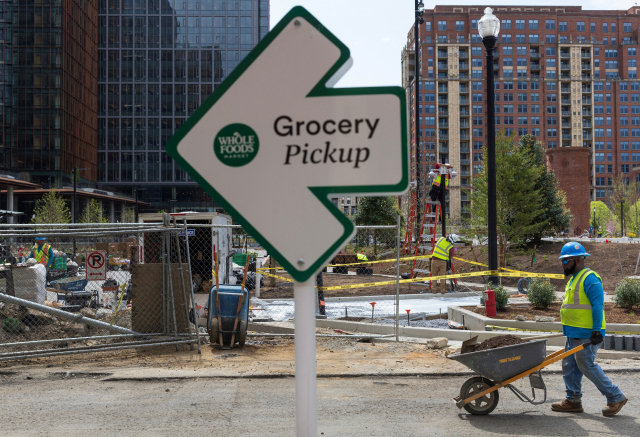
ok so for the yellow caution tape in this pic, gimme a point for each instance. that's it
(276, 276)
(409, 258)
(517, 273)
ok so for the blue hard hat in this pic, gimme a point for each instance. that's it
(40, 238)
(573, 249)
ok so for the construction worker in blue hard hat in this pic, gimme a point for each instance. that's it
(441, 260)
(42, 252)
(583, 322)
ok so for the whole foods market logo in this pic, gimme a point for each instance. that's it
(236, 145)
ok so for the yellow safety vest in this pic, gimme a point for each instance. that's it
(438, 180)
(362, 257)
(43, 256)
(441, 249)
(576, 309)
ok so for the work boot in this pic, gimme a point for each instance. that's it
(569, 407)
(612, 409)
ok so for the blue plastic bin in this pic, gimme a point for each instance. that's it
(70, 284)
(230, 296)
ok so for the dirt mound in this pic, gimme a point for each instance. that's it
(499, 341)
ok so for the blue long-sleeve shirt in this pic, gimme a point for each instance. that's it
(595, 294)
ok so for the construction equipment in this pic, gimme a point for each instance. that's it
(500, 367)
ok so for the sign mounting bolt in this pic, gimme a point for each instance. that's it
(297, 22)
(301, 262)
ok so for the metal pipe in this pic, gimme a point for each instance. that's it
(259, 334)
(492, 222)
(73, 352)
(59, 225)
(58, 340)
(416, 78)
(398, 281)
(185, 303)
(149, 341)
(193, 299)
(75, 317)
(304, 294)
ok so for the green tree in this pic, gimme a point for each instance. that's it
(128, 216)
(555, 215)
(518, 201)
(376, 211)
(51, 209)
(603, 215)
(93, 213)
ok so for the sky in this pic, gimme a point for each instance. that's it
(376, 30)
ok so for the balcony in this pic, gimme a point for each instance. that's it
(464, 136)
(443, 89)
(464, 100)
(464, 113)
(586, 90)
(586, 56)
(534, 67)
(586, 101)
(442, 113)
(464, 89)
(443, 149)
(565, 55)
(565, 101)
(442, 101)
(464, 173)
(442, 66)
(444, 124)
(565, 66)
(565, 89)
(443, 136)
(586, 113)
(586, 66)
(534, 55)
(566, 113)
(564, 75)
(465, 162)
(566, 136)
(442, 54)
(464, 149)
(566, 124)
(463, 55)
(586, 124)
(587, 136)
(463, 66)
(464, 124)
(566, 144)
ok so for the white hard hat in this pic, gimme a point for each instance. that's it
(453, 238)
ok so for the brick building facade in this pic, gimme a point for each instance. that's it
(563, 74)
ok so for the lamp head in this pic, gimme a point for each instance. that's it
(420, 6)
(489, 25)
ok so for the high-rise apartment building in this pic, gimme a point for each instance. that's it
(48, 89)
(566, 75)
(158, 61)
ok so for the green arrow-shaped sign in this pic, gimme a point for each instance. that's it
(275, 141)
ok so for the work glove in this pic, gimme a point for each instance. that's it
(596, 338)
(449, 272)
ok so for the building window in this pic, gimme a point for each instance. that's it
(519, 24)
(562, 26)
(459, 26)
(506, 24)
(624, 168)
(533, 24)
(550, 24)
(605, 28)
(550, 39)
(579, 26)
(474, 24)
(442, 25)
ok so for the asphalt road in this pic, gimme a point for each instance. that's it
(72, 406)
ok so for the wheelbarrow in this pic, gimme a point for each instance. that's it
(502, 366)
(228, 315)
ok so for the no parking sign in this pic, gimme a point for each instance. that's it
(96, 261)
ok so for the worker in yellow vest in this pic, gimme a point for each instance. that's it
(437, 185)
(583, 322)
(441, 259)
(42, 252)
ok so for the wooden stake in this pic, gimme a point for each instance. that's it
(215, 261)
(240, 301)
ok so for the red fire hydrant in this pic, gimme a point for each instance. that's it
(490, 303)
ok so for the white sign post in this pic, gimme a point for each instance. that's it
(277, 120)
(96, 264)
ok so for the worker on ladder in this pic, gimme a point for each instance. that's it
(441, 259)
(436, 185)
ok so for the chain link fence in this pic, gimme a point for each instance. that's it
(95, 287)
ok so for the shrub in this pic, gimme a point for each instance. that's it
(501, 295)
(541, 293)
(627, 293)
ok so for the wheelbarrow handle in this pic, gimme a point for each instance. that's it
(552, 358)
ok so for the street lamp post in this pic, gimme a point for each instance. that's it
(489, 28)
(595, 229)
(419, 12)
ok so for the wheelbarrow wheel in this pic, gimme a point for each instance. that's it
(242, 332)
(484, 405)
(213, 334)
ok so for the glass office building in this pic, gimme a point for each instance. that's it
(48, 89)
(158, 60)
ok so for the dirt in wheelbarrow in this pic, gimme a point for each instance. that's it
(499, 341)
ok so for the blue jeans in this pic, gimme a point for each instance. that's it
(582, 363)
